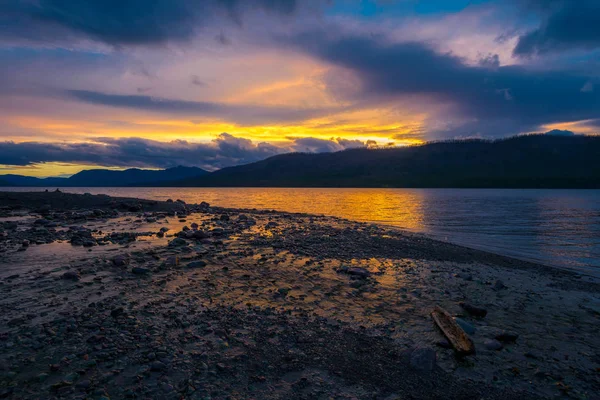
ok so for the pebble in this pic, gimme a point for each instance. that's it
(493, 344)
(158, 366)
(355, 271)
(499, 285)
(467, 327)
(71, 276)
(473, 310)
(423, 358)
(140, 270)
(120, 260)
(197, 264)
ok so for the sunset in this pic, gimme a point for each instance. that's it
(300, 199)
(95, 77)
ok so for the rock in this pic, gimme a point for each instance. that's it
(507, 337)
(493, 344)
(465, 275)
(467, 327)
(591, 304)
(116, 312)
(140, 270)
(25, 243)
(71, 276)
(473, 310)
(355, 271)
(158, 366)
(172, 261)
(84, 384)
(194, 226)
(423, 359)
(499, 285)
(177, 242)
(224, 217)
(443, 343)
(197, 264)
(120, 260)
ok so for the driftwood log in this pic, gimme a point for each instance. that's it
(460, 341)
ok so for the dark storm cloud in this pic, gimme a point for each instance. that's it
(243, 114)
(566, 25)
(510, 96)
(123, 22)
(226, 150)
(315, 145)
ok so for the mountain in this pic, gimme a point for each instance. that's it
(133, 176)
(533, 161)
(20, 180)
(103, 177)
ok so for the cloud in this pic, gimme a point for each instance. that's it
(566, 25)
(489, 94)
(225, 150)
(314, 145)
(243, 114)
(125, 22)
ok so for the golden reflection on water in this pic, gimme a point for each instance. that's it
(396, 206)
(399, 207)
(557, 227)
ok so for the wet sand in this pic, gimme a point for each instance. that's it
(111, 298)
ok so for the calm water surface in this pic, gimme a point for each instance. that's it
(556, 227)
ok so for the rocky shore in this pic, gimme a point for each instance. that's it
(116, 298)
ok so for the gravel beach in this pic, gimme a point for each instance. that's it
(114, 298)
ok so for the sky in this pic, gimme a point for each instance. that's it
(214, 83)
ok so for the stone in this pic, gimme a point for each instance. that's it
(355, 271)
(172, 261)
(177, 242)
(116, 312)
(465, 275)
(71, 276)
(158, 366)
(473, 310)
(591, 304)
(507, 337)
(140, 270)
(120, 260)
(443, 343)
(423, 359)
(493, 344)
(197, 264)
(467, 327)
(499, 285)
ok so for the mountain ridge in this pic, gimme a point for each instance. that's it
(530, 161)
(104, 177)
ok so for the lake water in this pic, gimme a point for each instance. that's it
(554, 227)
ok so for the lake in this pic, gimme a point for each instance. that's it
(554, 227)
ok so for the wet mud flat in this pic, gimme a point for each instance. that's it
(108, 298)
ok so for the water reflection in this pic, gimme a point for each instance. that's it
(558, 227)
